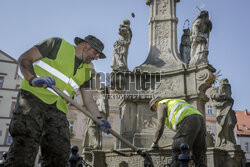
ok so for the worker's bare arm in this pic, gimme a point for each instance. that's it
(161, 114)
(26, 61)
(89, 102)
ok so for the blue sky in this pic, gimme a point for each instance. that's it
(27, 22)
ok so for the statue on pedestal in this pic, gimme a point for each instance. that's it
(93, 136)
(225, 116)
(120, 52)
(200, 30)
(185, 46)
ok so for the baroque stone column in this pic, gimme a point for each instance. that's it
(163, 53)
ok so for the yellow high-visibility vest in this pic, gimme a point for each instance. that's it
(177, 111)
(62, 70)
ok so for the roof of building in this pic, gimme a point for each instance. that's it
(243, 122)
(9, 58)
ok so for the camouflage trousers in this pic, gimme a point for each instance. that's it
(192, 131)
(35, 123)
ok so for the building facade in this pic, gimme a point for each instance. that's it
(9, 83)
(243, 132)
(210, 120)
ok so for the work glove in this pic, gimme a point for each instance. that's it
(154, 146)
(105, 126)
(40, 81)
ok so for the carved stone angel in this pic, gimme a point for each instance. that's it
(120, 52)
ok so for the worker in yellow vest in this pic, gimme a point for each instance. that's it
(186, 121)
(39, 117)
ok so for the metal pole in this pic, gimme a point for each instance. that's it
(82, 109)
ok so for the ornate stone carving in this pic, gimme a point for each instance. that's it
(148, 119)
(93, 136)
(200, 30)
(120, 52)
(168, 87)
(215, 157)
(162, 6)
(204, 80)
(162, 35)
(225, 116)
(163, 53)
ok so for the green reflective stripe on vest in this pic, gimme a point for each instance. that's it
(177, 111)
(61, 69)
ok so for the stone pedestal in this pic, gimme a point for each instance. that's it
(215, 158)
(138, 123)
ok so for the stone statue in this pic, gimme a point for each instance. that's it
(148, 2)
(200, 30)
(120, 52)
(93, 136)
(185, 46)
(209, 139)
(225, 116)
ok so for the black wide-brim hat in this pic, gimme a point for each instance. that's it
(94, 42)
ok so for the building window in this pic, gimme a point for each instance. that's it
(246, 146)
(244, 126)
(210, 110)
(8, 138)
(1, 82)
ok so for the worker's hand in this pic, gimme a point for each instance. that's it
(105, 126)
(154, 146)
(40, 81)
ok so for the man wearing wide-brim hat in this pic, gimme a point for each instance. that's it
(186, 121)
(39, 118)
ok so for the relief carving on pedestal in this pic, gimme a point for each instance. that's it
(168, 88)
(160, 161)
(161, 36)
(148, 119)
(162, 6)
(115, 161)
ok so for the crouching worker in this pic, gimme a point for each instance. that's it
(186, 121)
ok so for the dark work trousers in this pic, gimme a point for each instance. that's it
(192, 131)
(35, 123)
